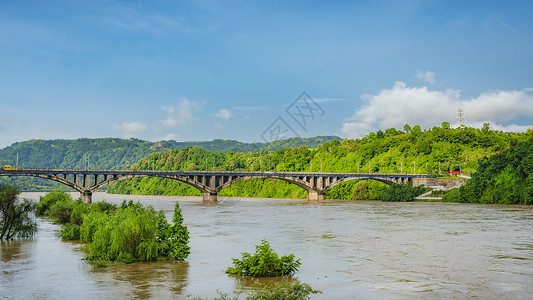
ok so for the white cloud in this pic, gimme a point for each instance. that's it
(170, 136)
(180, 115)
(131, 129)
(325, 100)
(420, 106)
(427, 76)
(224, 114)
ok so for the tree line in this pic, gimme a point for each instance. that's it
(440, 150)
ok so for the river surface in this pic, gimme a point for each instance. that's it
(348, 250)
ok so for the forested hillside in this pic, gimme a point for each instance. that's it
(437, 151)
(114, 153)
(505, 177)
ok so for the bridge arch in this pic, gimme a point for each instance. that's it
(388, 181)
(293, 180)
(201, 187)
(60, 180)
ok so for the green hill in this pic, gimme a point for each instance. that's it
(440, 150)
(505, 178)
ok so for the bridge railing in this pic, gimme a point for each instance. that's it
(202, 172)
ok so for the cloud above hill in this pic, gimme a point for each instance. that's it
(130, 129)
(402, 105)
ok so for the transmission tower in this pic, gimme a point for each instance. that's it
(460, 115)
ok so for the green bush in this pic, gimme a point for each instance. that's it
(70, 231)
(92, 221)
(173, 239)
(284, 291)
(296, 291)
(61, 210)
(80, 208)
(401, 192)
(135, 233)
(46, 202)
(264, 263)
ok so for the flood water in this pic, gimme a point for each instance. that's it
(348, 250)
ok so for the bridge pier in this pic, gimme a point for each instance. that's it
(87, 197)
(210, 197)
(315, 196)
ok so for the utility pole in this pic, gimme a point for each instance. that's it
(401, 167)
(206, 163)
(269, 164)
(320, 166)
(17, 167)
(357, 166)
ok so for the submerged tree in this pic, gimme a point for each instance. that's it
(265, 262)
(15, 220)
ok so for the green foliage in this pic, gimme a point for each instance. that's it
(401, 193)
(70, 231)
(439, 150)
(128, 236)
(173, 239)
(92, 221)
(505, 178)
(47, 201)
(15, 220)
(280, 291)
(295, 291)
(135, 233)
(264, 263)
(61, 211)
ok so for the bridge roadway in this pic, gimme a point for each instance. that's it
(210, 183)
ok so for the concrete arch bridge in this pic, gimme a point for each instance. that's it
(210, 183)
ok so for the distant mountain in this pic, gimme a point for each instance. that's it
(116, 153)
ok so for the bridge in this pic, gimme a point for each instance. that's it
(210, 183)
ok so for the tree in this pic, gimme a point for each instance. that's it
(445, 125)
(265, 262)
(416, 130)
(407, 128)
(486, 127)
(15, 220)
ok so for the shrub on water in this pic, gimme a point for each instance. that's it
(80, 208)
(46, 202)
(135, 233)
(285, 291)
(92, 221)
(61, 210)
(70, 231)
(265, 262)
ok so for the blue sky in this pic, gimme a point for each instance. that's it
(200, 70)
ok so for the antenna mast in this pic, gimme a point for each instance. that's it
(460, 115)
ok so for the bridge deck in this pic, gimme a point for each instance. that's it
(86, 181)
(212, 173)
